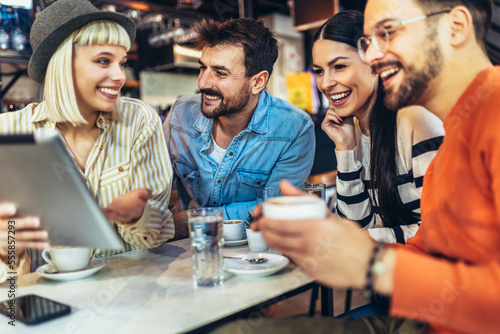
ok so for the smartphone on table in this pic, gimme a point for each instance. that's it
(32, 309)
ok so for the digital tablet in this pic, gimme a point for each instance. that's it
(39, 176)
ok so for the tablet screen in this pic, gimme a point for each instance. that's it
(41, 178)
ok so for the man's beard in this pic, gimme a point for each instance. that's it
(228, 105)
(417, 82)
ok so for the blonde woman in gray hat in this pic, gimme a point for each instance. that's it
(117, 143)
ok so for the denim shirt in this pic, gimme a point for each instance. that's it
(278, 144)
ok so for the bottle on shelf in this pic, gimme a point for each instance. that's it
(4, 36)
(17, 36)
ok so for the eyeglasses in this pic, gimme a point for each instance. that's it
(381, 34)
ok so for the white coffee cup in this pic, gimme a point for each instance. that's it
(294, 208)
(256, 241)
(66, 258)
(233, 230)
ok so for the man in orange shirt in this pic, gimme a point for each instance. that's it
(430, 53)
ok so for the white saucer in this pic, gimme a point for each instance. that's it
(92, 268)
(236, 242)
(275, 263)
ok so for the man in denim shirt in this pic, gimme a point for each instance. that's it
(235, 137)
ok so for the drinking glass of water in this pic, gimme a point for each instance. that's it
(317, 189)
(206, 233)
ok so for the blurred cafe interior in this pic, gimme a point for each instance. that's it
(163, 66)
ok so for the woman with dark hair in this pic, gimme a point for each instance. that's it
(382, 155)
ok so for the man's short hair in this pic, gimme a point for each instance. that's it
(481, 11)
(259, 45)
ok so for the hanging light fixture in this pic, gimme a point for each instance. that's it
(188, 4)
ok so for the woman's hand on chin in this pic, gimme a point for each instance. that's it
(340, 130)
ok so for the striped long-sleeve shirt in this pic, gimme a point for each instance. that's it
(418, 137)
(129, 153)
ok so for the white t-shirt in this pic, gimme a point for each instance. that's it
(216, 152)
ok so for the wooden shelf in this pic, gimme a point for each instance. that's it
(14, 57)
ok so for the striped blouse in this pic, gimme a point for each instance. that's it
(129, 153)
(418, 137)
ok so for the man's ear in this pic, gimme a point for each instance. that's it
(259, 81)
(461, 26)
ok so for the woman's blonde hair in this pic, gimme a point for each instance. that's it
(59, 89)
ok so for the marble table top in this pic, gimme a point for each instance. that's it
(152, 291)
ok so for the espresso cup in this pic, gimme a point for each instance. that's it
(294, 208)
(233, 230)
(66, 258)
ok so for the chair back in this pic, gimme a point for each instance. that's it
(328, 178)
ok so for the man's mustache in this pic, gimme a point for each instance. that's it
(377, 67)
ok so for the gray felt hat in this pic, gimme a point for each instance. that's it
(55, 23)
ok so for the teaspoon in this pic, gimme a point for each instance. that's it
(252, 261)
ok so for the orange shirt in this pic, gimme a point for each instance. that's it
(448, 275)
